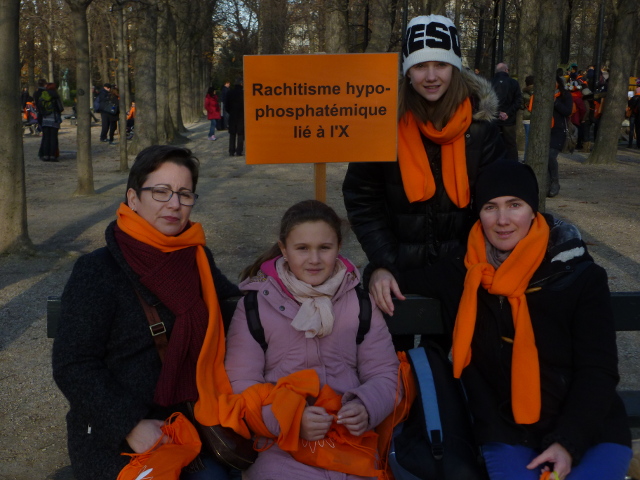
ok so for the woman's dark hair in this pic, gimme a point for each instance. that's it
(438, 112)
(529, 80)
(301, 212)
(150, 159)
(560, 82)
(211, 91)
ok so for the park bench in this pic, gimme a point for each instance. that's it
(421, 316)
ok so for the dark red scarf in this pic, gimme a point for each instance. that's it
(173, 277)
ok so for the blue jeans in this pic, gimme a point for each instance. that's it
(212, 471)
(212, 128)
(605, 461)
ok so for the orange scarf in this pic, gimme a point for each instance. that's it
(211, 376)
(510, 280)
(338, 451)
(418, 181)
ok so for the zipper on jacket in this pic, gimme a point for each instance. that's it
(89, 429)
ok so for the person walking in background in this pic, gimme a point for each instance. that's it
(510, 99)
(634, 119)
(527, 104)
(131, 120)
(224, 92)
(110, 109)
(235, 107)
(50, 108)
(587, 121)
(100, 107)
(562, 106)
(212, 107)
(579, 113)
(42, 83)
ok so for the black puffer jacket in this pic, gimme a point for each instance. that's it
(570, 309)
(105, 361)
(399, 235)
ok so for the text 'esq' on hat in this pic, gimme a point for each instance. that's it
(431, 38)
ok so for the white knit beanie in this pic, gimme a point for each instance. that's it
(431, 38)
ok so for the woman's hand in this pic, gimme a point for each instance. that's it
(557, 455)
(145, 435)
(381, 285)
(315, 423)
(355, 417)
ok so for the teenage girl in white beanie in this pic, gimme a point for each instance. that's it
(415, 211)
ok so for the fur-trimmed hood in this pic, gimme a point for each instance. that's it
(485, 99)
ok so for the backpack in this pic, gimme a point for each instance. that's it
(257, 331)
(96, 104)
(45, 103)
(436, 441)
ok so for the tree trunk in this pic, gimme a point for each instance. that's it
(565, 48)
(624, 29)
(123, 84)
(104, 62)
(13, 199)
(549, 31)
(337, 27)
(173, 90)
(145, 77)
(272, 26)
(527, 37)
(81, 34)
(381, 18)
(165, 126)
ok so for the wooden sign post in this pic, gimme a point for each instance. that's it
(320, 109)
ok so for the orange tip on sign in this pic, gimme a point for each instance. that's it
(321, 108)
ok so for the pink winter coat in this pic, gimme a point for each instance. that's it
(365, 373)
(212, 107)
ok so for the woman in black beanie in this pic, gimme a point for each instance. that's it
(533, 338)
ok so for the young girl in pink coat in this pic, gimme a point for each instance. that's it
(212, 107)
(309, 308)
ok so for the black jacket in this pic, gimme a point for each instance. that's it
(634, 105)
(399, 235)
(562, 107)
(570, 311)
(105, 361)
(509, 96)
(103, 99)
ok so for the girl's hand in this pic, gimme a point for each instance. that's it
(381, 284)
(315, 423)
(145, 435)
(557, 455)
(354, 416)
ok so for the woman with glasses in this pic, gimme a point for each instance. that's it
(105, 359)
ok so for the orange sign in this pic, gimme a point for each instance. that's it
(321, 108)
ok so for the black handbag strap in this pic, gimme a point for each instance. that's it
(156, 326)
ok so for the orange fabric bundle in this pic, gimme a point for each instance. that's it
(165, 461)
(510, 280)
(339, 451)
(417, 178)
(211, 376)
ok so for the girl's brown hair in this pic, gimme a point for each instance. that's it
(301, 212)
(438, 112)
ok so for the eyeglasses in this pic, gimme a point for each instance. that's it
(163, 194)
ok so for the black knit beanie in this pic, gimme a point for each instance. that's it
(507, 178)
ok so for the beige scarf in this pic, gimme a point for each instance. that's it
(315, 316)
